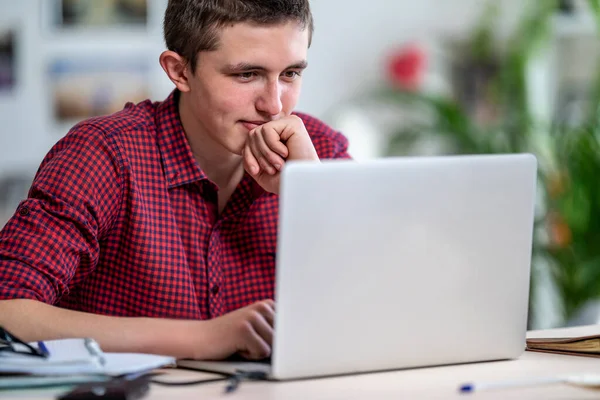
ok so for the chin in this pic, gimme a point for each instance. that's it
(234, 146)
(238, 141)
(237, 151)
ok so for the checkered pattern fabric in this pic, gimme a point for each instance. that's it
(120, 220)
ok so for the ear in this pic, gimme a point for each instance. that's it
(176, 68)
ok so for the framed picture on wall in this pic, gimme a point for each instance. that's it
(88, 86)
(96, 14)
(7, 59)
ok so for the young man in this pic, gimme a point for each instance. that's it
(154, 229)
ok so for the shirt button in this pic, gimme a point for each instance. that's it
(23, 211)
(215, 290)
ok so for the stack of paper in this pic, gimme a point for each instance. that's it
(71, 361)
(72, 356)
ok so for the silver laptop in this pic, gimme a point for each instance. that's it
(398, 263)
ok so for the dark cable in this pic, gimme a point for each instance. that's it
(188, 383)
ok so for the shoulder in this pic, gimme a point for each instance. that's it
(133, 118)
(109, 132)
(102, 138)
(328, 142)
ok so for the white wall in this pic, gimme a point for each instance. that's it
(27, 129)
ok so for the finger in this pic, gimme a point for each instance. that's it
(271, 303)
(255, 346)
(257, 153)
(257, 150)
(263, 327)
(250, 162)
(288, 126)
(267, 310)
(273, 140)
(271, 156)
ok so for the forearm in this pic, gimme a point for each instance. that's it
(33, 320)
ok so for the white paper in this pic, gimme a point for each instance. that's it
(71, 356)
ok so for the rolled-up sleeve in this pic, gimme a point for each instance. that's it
(52, 240)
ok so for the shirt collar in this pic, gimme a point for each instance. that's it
(179, 163)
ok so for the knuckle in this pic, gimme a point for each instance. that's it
(245, 327)
(263, 307)
(251, 319)
(259, 308)
(272, 134)
(298, 122)
(266, 165)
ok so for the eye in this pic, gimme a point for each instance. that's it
(291, 75)
(245, 76)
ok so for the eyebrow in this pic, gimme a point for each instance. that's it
(243, 66)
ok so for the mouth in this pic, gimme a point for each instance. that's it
(252, 124)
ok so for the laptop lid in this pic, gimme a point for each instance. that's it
(402, 262)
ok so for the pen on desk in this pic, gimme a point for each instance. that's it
(479, 386)
(95, 351)
(43, 349)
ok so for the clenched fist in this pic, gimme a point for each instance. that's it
(247, 331)
(270, 145)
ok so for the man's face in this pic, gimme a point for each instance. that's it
(253, 77)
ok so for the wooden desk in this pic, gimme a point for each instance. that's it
(422, 383)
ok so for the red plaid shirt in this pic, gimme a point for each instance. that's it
(120, 220)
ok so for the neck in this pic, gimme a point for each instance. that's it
(221, 166)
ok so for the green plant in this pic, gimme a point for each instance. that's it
(568, 228)
(573, 204)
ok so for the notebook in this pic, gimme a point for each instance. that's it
(580, 341)
(80, 356)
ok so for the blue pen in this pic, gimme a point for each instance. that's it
(506, 384)
(43, 349)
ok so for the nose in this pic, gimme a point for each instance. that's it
(269, 101)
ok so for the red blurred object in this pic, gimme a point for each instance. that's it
(560, 232)
(406, 67)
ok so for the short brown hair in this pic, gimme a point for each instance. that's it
(192, 26)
